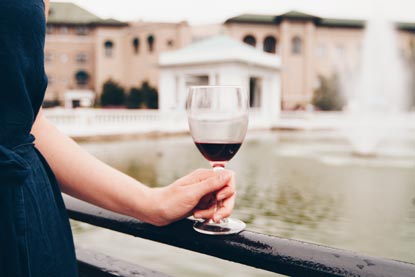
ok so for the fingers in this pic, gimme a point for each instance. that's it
(207, 213)
(224, 193)
(214, 183)
(195, 177)
(224, 208)
(217, 212)
(206, 202)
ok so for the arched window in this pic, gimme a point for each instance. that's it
(150, 41)
(250, 40)
(270, 44)
(109, 46)
(81, 77)
(136, 45)
(296, 45)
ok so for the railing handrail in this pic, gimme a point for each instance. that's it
(279, 255)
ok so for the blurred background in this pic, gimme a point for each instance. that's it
(330, 153)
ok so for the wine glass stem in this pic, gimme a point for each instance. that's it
(217, 168)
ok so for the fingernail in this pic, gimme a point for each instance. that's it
(217, 217)
(197, 215)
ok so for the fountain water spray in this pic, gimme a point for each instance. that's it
(377, 94)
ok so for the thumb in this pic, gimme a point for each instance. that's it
(212, 184)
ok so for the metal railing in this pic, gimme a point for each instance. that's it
(279, 255)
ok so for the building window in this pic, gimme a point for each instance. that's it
(321, 50)
(150, 41)
(49, 29)
(136, 45)
(250, 40)
(81, 77)
(270, 44)
(50, 80)
(196, 80)
(340, 50)
(64, 81)
(109, 46)
(193, 80)
(64, 30)
(255, 92)
(64, 58)
(170, 43)
(48, 58)
(81, 31)
(81, 58)
(296, 45)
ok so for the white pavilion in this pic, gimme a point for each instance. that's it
(221, 60)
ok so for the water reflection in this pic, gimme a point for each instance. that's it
(297, 185)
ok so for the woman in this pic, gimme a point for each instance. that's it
(35, 236)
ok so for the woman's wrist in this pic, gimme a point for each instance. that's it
(149, 206)
(158, 207)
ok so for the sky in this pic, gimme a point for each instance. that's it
(217, 11)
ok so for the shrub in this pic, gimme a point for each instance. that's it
(150, 96)
(145, 97)
(328, 97)
(134, 98)
(112, 94)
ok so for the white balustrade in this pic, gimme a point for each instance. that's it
(92, 122)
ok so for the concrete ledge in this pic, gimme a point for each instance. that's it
(94, 264)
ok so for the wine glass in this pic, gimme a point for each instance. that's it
(218, 121)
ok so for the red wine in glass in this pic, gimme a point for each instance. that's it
(218, 151)
(218, 121)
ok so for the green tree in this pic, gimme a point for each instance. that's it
(134, 98)
(149, 96)
(112, 94)
(328, 97)
(144, 97)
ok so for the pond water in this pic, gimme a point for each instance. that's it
(301, 185)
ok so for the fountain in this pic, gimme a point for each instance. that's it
(378, 91)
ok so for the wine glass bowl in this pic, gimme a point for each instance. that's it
(218, 121)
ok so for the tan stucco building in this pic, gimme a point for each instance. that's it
(83, 51)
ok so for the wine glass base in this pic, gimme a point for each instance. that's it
(226, 226)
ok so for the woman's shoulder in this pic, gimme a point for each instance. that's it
(21, 15)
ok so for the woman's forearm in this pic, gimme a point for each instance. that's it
(85, 177)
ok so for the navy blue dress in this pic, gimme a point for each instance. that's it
(35, 235)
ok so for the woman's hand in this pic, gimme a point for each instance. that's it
(195, 194)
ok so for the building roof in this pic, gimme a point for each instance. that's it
(219, 49)
(408, 26)
(296, 15)
(252, 18)
(335, 22)
(319, 21)
(69, 13)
